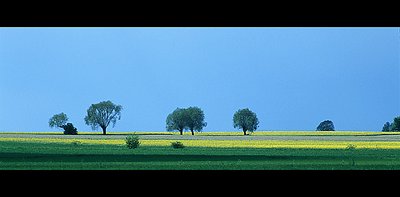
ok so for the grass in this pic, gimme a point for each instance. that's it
(100, 157)
(24, 153)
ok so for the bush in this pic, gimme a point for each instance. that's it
(69, 129)
(132, 141)
(326, 125)
(76, 143)
(351, 147)
(177, 145)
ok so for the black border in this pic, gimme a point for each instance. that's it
(278, 14)
(190, 179)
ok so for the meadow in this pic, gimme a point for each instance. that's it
(204, 151)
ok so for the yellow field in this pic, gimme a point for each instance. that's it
(313, 144)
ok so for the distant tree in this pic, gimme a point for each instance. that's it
(195, 119)
(387, 127)
(396, 124)
(246, 120)
(102, 114)
(326, 125)
(58, 120)
(177, 120)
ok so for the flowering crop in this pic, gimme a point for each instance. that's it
(306, 144)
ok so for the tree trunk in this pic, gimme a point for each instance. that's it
(244, 131)
(192, 132)
(104, 130)
(181, 131)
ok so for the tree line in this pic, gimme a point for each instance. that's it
(191, 119)
(393, 126)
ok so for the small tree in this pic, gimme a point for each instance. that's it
(246, 120)
(58, 120)
(177, 120)
(387, 127)
(195, 119)
(102, 114)
(326, 125)
(132, 141)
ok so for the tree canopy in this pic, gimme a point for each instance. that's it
(102, 114)
(246, 120)
(191, 118)
(58, 120)
(326, 125)
(177, 120)
(387, 127)
(396, 124)
(195, 119)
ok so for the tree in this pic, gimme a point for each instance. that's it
(246, 120)
(102, 114)
(177, 120)
(387, 127)
(326, 125)
(58, 120)
(195, 119)
(396, 124)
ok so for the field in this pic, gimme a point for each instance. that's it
(205, 151)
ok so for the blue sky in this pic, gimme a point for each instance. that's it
(292, 78)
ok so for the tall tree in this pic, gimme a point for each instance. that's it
(102, 114)
(396, 124)
(387, 127)
(246, 120)
(177, 120)
(195, 119)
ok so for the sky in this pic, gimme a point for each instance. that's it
(292, 78)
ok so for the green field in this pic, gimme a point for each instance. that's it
(204, 151)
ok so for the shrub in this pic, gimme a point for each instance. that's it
(326, 125)
(132, 141)
(177, 144)
(76, 143)
(69, 129)
(351, 147)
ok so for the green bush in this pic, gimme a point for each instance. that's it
(177, 145)
(69, 129)
(132, 141)
(326, 125)
(76, 143)
(351, 147)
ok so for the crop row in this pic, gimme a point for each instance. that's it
(307, 144)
